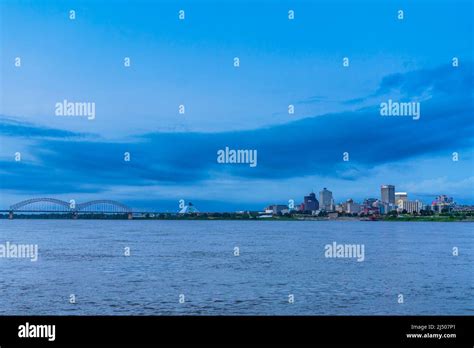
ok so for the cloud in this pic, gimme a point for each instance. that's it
(313, 146)
(429, 187)
(443, 81)
(16, 128)
(317, 99)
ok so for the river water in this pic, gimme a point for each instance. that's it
(196, 262)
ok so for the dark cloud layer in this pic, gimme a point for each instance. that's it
(312, 146)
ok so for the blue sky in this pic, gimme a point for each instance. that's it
(190, 62)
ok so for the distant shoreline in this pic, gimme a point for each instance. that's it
(238, 217)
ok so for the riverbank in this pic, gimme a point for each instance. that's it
(245, 217)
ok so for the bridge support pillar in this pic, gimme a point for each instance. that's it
(129, 216)
(10, 215)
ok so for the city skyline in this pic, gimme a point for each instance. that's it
(309, 203)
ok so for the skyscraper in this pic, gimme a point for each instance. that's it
(401, 196)
(310, 202)
(388, 194)
(326, 201)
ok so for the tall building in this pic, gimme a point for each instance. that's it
(326, 201)
(388, 194)
(410, 206)
(352, 207)
(310, 202)
(403, 196)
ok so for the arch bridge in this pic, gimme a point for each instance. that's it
(53, 205)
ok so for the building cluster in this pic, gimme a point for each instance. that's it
(443, 203)
(389, 201)
(311, 204)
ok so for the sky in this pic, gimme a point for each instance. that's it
(190, 62)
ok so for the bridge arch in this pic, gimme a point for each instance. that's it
(31, 204)
(104, 205)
